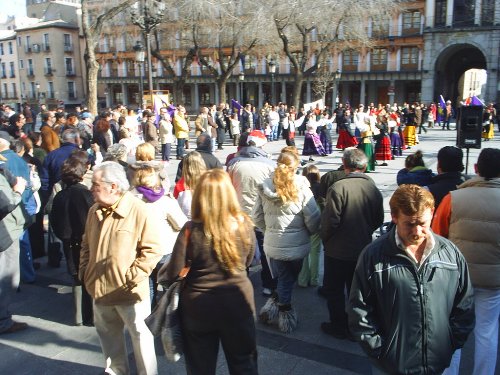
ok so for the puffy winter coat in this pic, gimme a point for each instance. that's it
(475, 229)
(286, 227)
(248, 170)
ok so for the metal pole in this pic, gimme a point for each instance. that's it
(141, 87)
(337, 92)
(150, 73)
(272, 89)
(241, 93)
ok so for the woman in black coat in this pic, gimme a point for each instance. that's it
(221, 127)
(68, 217)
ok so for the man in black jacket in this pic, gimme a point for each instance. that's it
(204, 147)
(353, 211)
(411, 303)
(449, 167)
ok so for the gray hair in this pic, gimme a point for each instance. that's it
(70, 135)
(112, 172)
(116, 151)
(354, 159)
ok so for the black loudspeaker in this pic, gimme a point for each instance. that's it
(469, 126)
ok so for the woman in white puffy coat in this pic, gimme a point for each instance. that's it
(287, 213)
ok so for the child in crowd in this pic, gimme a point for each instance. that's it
(268, 132)
(235, 129)
(309, 274)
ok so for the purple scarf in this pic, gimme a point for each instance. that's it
(149, 194)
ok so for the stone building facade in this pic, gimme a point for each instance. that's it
(422, 52)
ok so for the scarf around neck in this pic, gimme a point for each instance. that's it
(149, 194)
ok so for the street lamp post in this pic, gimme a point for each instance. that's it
(335, 93)
(241, 77)
(147, 17)
(272, 70)
(37, 85)
(139, 59)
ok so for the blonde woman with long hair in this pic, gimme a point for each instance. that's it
(217, 301)
(193, 167)
(288, 215)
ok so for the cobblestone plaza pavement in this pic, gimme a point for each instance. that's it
(51, 345)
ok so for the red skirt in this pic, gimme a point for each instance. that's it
(346, 140)
(383, 148)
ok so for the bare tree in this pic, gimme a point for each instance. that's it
(311, 29)
(228, 31)
(92, 32)
(323, 81)
(213, 34)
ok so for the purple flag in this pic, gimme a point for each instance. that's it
(235, 104)
(171, 110)
(441, 110)
(476, 101)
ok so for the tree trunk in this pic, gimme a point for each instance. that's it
(297, 89)
(178, 87)
(92, 73)
(222, 90)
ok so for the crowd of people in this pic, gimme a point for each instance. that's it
(410, 298)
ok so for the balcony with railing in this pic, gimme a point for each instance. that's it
(68, 47)
(12, 75)
(10, 95)
(3, 75)
(48, 71)
(30, 72)
(27, 48)
(46, 47)
(70, 73)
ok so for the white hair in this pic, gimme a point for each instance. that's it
(112, 172)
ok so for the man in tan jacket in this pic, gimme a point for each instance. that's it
(120, 248)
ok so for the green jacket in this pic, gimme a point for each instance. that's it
(411, 320)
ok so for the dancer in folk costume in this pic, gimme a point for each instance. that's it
(346, 136)
(409, 132)
(383, 145)
(488, 124)
(325, 134)
(394, 131)
(312, 142)
(365, 129)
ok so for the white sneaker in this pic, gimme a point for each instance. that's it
(267, 292)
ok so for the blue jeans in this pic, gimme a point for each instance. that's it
(454, 367)
(165, 151)
(287, 272)
(487, 306)
(26, 259)
(180, 147)
(274, 132)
